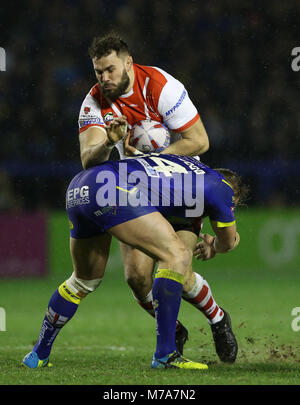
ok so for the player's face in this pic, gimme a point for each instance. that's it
(112, 74)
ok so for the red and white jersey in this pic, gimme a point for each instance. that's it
(155, 95)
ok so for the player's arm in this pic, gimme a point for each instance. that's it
(194, 141)
(96, 143)
(181, 116)
(225, 240)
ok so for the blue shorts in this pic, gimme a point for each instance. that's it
(118, 191)
(88, 216)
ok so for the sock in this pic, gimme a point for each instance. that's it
(61, 308)
(201, 297)
(167, 291)
(147, 304)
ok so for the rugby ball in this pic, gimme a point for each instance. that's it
(149, 136)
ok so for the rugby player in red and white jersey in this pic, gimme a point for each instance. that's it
(125, 94)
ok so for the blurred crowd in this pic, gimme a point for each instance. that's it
(233, 57)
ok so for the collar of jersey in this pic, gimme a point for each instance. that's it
(130, 93)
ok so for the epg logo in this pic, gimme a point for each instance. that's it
(2, 60)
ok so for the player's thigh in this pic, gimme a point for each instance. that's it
(137, 265)
(188, 238)
(153, 235)
(136, 260)
(90, 255)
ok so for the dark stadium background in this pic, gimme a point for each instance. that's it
(234, 58)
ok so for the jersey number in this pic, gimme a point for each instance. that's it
(166, 166)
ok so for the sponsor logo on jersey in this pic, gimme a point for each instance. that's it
(103, 210)
(179, 102)
(108, 117)
(90, 121)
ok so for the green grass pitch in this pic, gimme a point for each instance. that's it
(110, 341)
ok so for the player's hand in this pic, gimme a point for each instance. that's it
(205, 250)
(116, 130)
(128, 149)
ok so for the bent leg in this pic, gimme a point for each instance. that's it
(89, 258)
(153, 235)
(190, 240)
(90, 255)
(138, 270)
(196, 290)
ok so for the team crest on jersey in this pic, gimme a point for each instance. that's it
(86, 110)
(108, 117)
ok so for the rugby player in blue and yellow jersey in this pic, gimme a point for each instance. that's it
(136, 200)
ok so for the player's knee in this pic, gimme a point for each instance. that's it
(186, 258)
(82, 287)
(191, 282)
(180, 259)
(137, 274)
(135, 279)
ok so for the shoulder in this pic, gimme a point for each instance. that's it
(95, 91)
(214, 178)
(93, 96)
(96, 94)
(157, 77)
(94, 99)
(217, 189)
(90, 111)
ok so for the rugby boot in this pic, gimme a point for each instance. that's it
(175, 360)
(32, 360)
(181, 336)
(225, 341)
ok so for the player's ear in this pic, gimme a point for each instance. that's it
(128, 63)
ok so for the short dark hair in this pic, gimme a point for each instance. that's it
(103, 46)
(241, 191)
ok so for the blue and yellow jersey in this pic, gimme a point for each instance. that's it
(119, 191)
